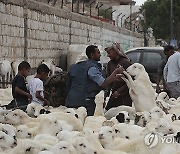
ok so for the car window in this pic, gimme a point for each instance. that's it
(151, 59)
(134, 56)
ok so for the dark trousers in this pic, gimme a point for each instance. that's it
(121, 100)
(90, 106)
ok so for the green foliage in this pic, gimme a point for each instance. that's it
(157, 16)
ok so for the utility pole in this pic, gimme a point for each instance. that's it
(171, 20)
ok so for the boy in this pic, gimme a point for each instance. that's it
(36, 87)
(19, 89)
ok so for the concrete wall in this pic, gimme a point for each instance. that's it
(34, 31)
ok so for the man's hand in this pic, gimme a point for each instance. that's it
(46, 103)
(29, 96)
(119, 70)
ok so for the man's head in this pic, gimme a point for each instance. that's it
(43, 71)
(24, 68)
(168, 50)
(93, 52)
(112, 54)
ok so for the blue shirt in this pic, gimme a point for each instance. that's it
(95, 75)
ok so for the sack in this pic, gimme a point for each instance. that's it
(55, 89)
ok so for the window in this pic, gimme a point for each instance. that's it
(151, 59)
(134, 56)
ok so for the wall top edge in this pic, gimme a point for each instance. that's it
(47, 9)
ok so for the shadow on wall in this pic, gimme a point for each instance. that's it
(63, 62)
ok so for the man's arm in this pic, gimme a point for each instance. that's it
(19, 91)
(38, 96)
(97, 77)
(165, 72)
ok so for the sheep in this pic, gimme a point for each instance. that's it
(71, 111)
(24, 146)
(106, 136)
(64, 148)
(34, 110)
(8, 129)
(6, 96)
(127, 131)
(116, 110)
(18, 117)
(46, 139)
(83, 146)
(82, 114)
(142, 118)
(163, 105)
(70, 119)
(94, 123)
(47, 125)
(5, 68)
(6, 141)
(14, 66)
(141, 91)
(163, 96)
(22, 132)
(65, 125)
(99, 100)
(94, 142)
(66, 135)
(2, 114)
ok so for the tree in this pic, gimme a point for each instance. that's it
(157, 16)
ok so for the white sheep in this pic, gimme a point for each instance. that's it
(24, 146)
(66, 135)
(22, 132)
(140, 89)
(64, 148)
(70, 119)
(142, 118)
(8, 129)
(46, 139)
(99, 100)
(82, 114)
(127, 131)
(18, 117)
(14, 66)
(116, 110)
(83, 146)
(5, 68)
(47, 125)
(6, 141)
(94, 123)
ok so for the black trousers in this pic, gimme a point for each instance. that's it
(90, 106)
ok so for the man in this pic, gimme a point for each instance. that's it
(75, 83)
(172, 74)
(94, 79)
(120, 92)
(168, 51)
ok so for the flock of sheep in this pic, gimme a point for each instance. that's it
(152, 125)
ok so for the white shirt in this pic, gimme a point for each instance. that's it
(33, 86)
(172, 68)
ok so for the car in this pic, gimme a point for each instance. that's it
(149, 57)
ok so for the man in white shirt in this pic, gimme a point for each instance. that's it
(36, 87)
(172, 74)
